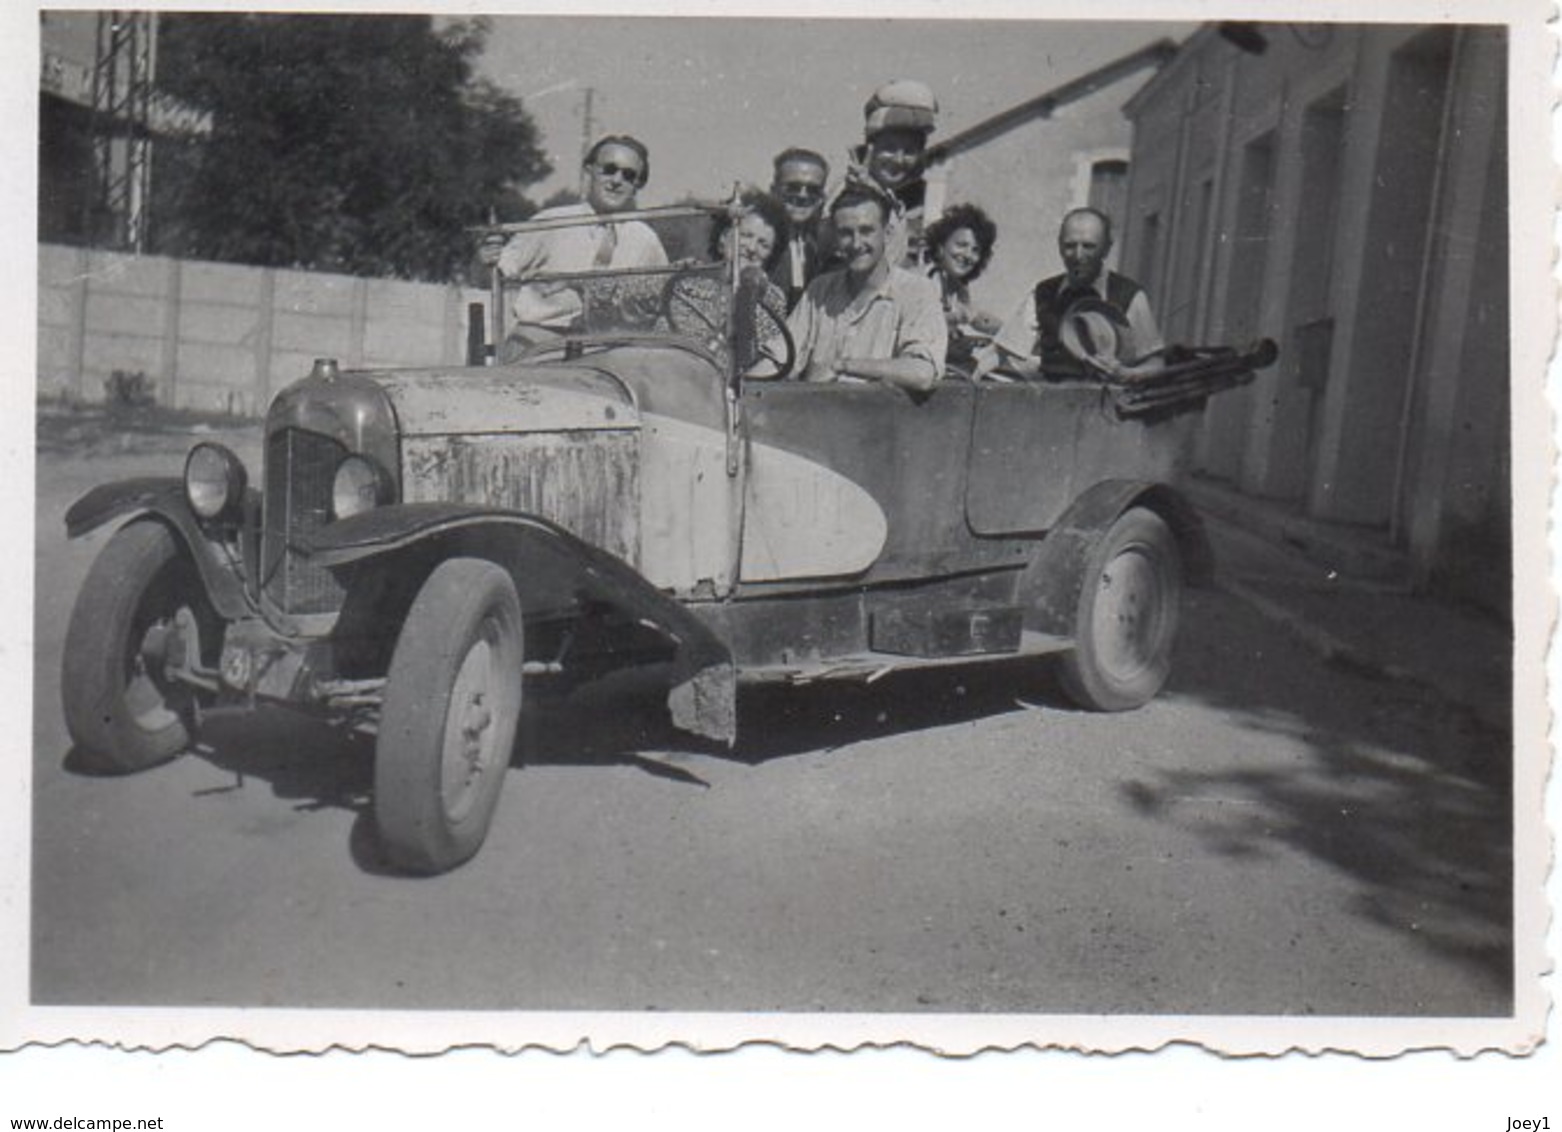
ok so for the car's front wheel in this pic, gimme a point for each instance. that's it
(1126, 620)
(451, 707)
(121, 709)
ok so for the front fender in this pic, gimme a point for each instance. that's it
(548, 563)
(108, 501)
(1049, 588)
(163, 497)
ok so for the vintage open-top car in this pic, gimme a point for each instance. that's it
(427, 542)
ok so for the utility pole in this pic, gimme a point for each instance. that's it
(588, 124)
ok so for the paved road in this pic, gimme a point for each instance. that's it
(1271, 836)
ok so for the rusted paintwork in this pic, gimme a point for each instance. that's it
(464, 402)
(585, 481)
(688, 513)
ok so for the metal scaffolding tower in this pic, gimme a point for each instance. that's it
(121, 130)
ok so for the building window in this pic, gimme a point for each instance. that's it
(1147, 254)
(1109, 188)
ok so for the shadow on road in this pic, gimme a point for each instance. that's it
(1407, 795)
(620, 720)
(623, 719)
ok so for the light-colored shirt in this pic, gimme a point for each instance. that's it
(578, 248)
(1017, 337)
(903, 317)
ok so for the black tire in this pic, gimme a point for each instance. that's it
(1126, 621)
(120, 711)
(447, 727)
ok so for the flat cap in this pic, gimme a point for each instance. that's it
(901, 104)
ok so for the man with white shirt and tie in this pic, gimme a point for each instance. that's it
(615, 169)
(800, 176)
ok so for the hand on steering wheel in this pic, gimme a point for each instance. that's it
(695, 304)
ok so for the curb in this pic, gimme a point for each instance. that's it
(1312, 540)
(1335, 650)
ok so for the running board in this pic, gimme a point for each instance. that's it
(867, 667)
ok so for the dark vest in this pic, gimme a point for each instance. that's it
(1052, 300)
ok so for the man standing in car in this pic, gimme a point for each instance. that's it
(615, 170)
(871, 320)
(898, 119)
(798, 182)
(1031, 341)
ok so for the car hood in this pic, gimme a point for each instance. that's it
(507, 400)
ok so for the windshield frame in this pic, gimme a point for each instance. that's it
(501, 286)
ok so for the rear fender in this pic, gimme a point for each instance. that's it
(163, 498)
(551, 568)
(1050, 587)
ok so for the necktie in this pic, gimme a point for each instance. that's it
(607, 245)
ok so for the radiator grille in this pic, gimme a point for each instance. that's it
(299, 469)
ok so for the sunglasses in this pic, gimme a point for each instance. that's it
(804, 189)
(627, 172)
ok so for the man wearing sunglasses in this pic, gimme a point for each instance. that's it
(800, 177)
(614, 171)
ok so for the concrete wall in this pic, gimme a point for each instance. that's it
(1345, 193)
(221, 337)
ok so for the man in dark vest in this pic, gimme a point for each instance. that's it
(1089, 321)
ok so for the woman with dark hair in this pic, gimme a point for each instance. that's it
(761, 232)
(956, 249)
(753, 236)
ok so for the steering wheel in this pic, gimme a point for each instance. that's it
(694, 305)
(761, 330)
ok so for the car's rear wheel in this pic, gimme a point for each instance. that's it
(452, 704)
(1126, 620)
(121, 709)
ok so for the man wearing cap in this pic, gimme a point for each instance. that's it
(799, 180)
(898, 119)
(871, 320)
(1036, 340)
(614, 171)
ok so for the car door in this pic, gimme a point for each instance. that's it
(859, 482)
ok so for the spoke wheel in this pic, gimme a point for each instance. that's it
(766, 337)
(121, 710)
(694, 305)
(452, 704)
(1126, 621)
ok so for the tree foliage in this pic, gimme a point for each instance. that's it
(352, 143)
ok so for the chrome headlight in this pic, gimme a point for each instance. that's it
(214, 481)
(359, 486)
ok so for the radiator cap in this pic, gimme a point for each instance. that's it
(325, 369)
